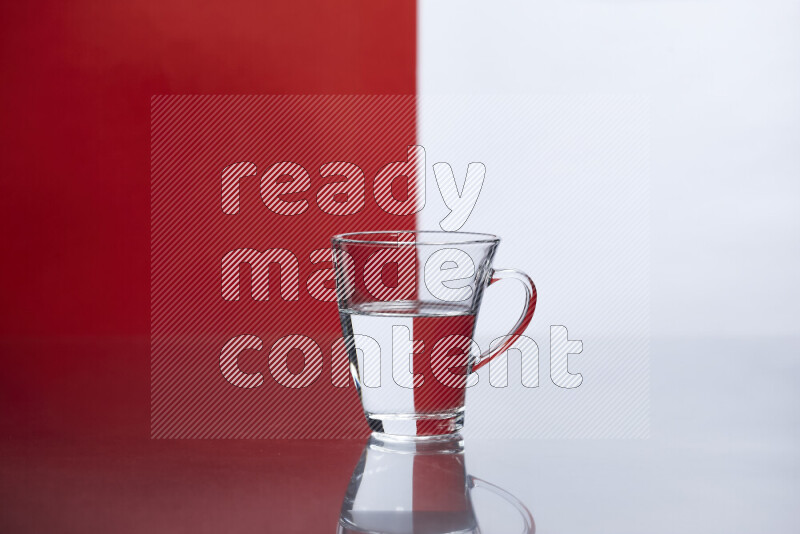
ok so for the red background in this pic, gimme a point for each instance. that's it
(77, 82)
(77, 78)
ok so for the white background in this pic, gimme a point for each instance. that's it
(722, 79)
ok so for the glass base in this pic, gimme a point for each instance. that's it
(417, 426)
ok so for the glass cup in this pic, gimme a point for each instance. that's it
(402, 486)
(408, 302)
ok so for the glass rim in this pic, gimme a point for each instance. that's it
(467, 238)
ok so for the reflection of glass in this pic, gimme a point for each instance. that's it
(408, 303)
(422, 487)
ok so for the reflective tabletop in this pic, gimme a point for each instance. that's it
(722, 457)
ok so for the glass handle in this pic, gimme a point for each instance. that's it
(525, 318)
(528, 524)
